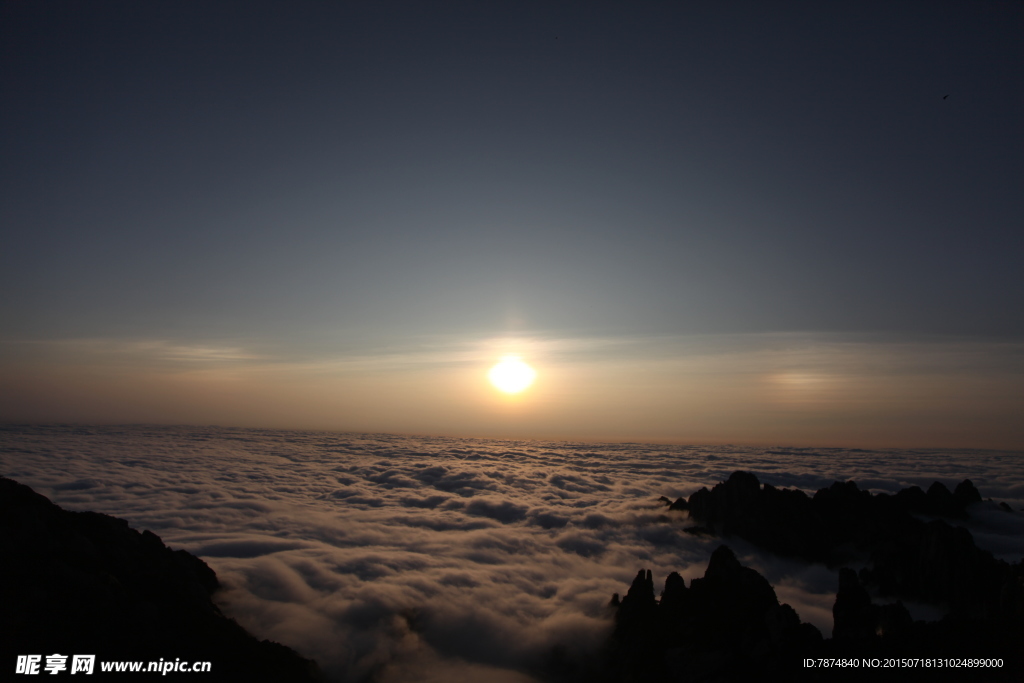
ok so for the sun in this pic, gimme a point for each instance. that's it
(512, 375)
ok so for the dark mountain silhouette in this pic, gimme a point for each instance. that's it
(908, 557)
(863, 629)
(727, 624)
(85, 583)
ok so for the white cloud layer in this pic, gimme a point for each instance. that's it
(452, 559)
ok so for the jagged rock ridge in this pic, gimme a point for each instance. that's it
(907, 556)
(728, 622)
(729, 626)
(932, 561)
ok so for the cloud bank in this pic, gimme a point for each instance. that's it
(451, 559)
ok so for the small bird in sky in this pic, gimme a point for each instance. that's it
(945, 97)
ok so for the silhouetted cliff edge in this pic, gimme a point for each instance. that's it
(729, 625)
(85, 583)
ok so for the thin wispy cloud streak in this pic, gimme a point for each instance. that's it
(453, 558)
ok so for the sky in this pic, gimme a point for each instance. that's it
(702, 222)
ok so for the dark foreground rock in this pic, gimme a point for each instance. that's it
(85, 583)
(886, 633)
(908, 550)
(729, 626)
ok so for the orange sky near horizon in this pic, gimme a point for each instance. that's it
(752, 390)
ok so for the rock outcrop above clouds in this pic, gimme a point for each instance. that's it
(85, 583)
(733, 626)
(910, 557)
(968, 648)
(730, 626)
(727, 624)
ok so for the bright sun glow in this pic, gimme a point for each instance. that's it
(512, 375)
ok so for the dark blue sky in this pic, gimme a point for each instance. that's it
(174, 167)
(323, 175)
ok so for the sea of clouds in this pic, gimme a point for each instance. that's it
(448, 559)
